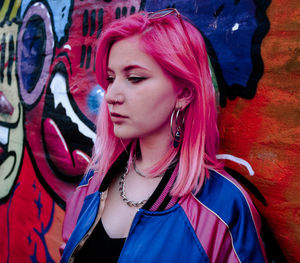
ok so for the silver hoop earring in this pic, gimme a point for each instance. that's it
(178, 126)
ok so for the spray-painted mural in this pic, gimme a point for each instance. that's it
(49, 100)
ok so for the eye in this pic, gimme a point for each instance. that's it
(110, 79)
(136, 79)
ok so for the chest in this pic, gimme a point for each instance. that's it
(117, 215)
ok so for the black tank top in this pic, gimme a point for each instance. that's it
(99, 247)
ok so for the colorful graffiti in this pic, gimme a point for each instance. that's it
(49, 99)
(11, 122)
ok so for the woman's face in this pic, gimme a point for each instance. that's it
(140, 95)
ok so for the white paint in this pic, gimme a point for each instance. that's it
(4, 135)
(59, 134)
(67, 46)
(100, 92)
(83, 156)
(235, 27)
(59, 90)
(236, 160)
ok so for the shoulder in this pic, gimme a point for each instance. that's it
(75, 202)
(86, 179)
(226, 198)
(225, 219)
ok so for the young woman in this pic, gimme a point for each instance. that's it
(155, 191)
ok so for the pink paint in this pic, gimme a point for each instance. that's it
(5, 106)
(72, 164)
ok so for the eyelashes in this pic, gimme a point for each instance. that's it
(132, 79)
(110, 79)
(136, 79)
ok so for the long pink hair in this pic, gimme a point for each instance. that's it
(165, 40)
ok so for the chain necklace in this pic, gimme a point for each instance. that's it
(140, 173)
(123, 192)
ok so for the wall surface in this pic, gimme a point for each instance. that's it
(49, 99)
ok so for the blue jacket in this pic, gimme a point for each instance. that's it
(219, 224)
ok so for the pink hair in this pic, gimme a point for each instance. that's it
(165, 40)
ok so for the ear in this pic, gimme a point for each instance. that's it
(184, 98)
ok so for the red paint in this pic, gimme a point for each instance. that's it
(21, 220)
(265, 131)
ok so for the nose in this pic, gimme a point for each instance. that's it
(114, 93)
(5, 106)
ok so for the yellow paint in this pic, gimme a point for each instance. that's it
(15, 9)
(4, 9)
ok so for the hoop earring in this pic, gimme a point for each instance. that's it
(178, 127)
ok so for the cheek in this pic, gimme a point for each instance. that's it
(164, 102)
(156, 110)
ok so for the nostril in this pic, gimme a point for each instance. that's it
(115, 100)
(5, 106)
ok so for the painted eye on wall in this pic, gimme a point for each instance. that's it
(32, 52)
(94, 99)
(35, 51)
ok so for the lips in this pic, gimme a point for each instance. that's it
(117, 118)
(116, 115)
(68, 140)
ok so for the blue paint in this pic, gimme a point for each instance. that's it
(33, 52)
(42, 234)
(39, 204)
(59, 11)
(33, 257)
(34, 186)
(231, 47)
(29, 239)
(233, 31)
(94, 99)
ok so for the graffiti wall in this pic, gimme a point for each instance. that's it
(49, 99)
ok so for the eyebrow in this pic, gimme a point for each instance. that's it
(128, 68)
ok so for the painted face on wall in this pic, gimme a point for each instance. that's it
(55, 126)
(59, 88)
(11, 113)
(140, 95)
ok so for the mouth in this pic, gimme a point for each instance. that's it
(7, 158)
(4, 131)
(67, 135)
(117, 118)
(117, 115)
(4, 137)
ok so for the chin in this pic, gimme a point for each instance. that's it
(122, 133)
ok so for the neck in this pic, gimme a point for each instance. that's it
(152, 151)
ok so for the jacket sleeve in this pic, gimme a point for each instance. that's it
(73, 208)
(225, 221)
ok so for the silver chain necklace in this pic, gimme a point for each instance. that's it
(140, 173)
(123, 192)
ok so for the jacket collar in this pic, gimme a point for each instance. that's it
(160, 199)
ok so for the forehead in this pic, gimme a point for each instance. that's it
(127, 52)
